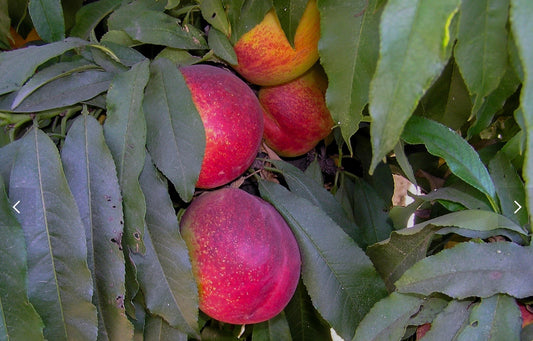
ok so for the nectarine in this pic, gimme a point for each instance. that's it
(296, 115)
(265, 56)
(244, 256)
(232, 119)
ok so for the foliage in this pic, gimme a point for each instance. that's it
(101, 146)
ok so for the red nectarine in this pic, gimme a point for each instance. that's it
(265, 56)
(244, 256)
(296, 116)
(232, 119)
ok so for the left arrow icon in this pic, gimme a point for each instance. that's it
(15, 207)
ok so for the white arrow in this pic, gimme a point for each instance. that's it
(519, 207)
(15, 206)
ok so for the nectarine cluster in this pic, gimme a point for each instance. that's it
(244, 256)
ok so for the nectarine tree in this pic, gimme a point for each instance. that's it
(266, 170)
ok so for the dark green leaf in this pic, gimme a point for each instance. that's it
(461, 158)
(90, 15)
(65, 91)
(18, 65)
(449, 322)
(388, 318)
(314, 192)
(368, 211)
(47, 17)
(394, 256)
(403, 162)
(304, 321)
(157, 329)
(164, 271)
(470, 269)
(494, 318)
(155, 27)
(5, 24)
(18, 318)
(413, 52)
(221, 46)
(289, 13)
(214, 13)
(128, 56)
(125, 134)
(59, 281)
(244, 15)
(494, 102)
(509, 187)
(431, 306)
(456, 195)
(478, 52)
(277, 328)
(91, 174)
(7, 155)
(50, 74)
(349, 59)
(339, 277)
(522, 27)
(175, 132)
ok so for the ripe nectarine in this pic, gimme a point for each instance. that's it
(244, 256)
(296, 116)
(265, 56)
(232, 119)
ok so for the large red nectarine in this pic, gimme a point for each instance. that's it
(244, 256)
(232, 119)
(265, 56)
(296, 115)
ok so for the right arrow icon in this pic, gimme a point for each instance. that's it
(519, 207)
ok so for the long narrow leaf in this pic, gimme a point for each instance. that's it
(413, 51)
(59, 281)
(18, 318)
(339, 277)
(47, 17)
(91, 174)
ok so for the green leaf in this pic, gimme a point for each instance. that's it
(471, 269)
(522, 26)
(277, 328)
(214, 13)
(494, 318)
(339, 277)
(50, 74)
(449, 322)
(388, 318)
(413, 52)
(392, 257)
(244, 15)
(7, 155)
(91, 174)
(59, 281)
(221, 46)
(367, 208)
(478, 51)
(155, 27)
(349, 59)
(47, 17)
(307, 188)
(175, 132)
(461, 158)
(68, 90)
(88, 17)
(5, 24)
(304, 321)
(289, 13)
(509, 187)
(125, 134)
(18, 318)
(157, 329)
(494, 102)
(164, 271)
(458, 195)
(18, 65)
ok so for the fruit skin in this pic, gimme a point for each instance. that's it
(244, 256)
(18, 41)
(265, 56)
(527, 315)
(296, 115)
(232, 119)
